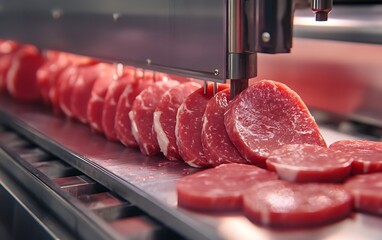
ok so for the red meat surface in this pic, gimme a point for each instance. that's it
(64, 88)
(285, 204)
(62, 92)
(47, 74)
(82, 88)
(7, 51)
(367, 192)
(165, 118)
(309, 163)
(122, 119)
(21, 79)
(142, 113)
(366, 155)
(189, 124)
(220, 188)
(97, 100)
(217, 146)
(266, 116)
(113, 94)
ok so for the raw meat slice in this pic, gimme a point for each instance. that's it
(5, 64)
(97, 100)
(143, 79)
(21, 79)
(220, 188)
(66, 81)
(142, 114)
(44, 73)
(285, 204)
(113, 94)
(366, 155)
(266, 116)
(83, 86)
(217, 146)
(47, 74)
(189, 124)
(309, 163)
(165, 118)
(7, 51)
(367, 192)
(8, 46)
(64, 90)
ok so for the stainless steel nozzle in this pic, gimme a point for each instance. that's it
(322, 8)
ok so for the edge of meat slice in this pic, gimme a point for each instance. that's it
(366, 155)
(97, 100)
(220, 188)
(112, 97)
(142, 116)
(143, 79)
(7, 51)
(165, 118)
(309, 163)
(266, 116)
(65, 84)
(217, 146)
(48, 73)
(189, 124)
(21, 81)
(289, 205)
(367, 192)
(82, 88)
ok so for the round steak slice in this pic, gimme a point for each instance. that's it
(21, 81)
(142, 116)
(366, 155)
(110, 105)
(285, 204)
(220, 188)
(189, 125)
(97, 100)
(217, 146)
(266, 116)
(143, 79)
(309, 163)
(165, 118)
(367, 192)
(82, 88)
(7, 51)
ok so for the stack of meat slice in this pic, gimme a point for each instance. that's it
(271, 127)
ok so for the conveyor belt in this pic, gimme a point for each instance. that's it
(86, 208)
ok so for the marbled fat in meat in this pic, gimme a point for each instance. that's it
(189, 124)
(309, 163)
(266, 116)
(165, 118)
(142, 114)
(366, 155)
(220, 188)
(217, 146)
(290, 205)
